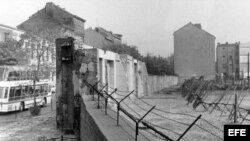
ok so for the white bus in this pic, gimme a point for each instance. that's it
(19, 95)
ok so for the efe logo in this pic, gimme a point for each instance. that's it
(237, 132)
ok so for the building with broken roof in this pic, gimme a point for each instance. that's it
(194, 51)
(46, 25)
(100, 37)
(52, 17)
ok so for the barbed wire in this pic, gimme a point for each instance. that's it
(126, 122)
(184, 114)
(182, 123)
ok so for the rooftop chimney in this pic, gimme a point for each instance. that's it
(198, 25)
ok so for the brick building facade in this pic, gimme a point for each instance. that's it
(228, 59)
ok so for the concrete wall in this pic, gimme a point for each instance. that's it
(86, 68)
(122, 72)
(142, 80)
(89, 129)
(194, 52)
(157, 83)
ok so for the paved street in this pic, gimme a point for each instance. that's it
(22, 126)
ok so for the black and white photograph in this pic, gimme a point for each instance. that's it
(124, 70)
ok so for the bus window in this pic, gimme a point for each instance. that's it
(28, 75)
(46, 87)
(22, 75)
(10, 77)
(12, 94)
(13, 75)
(30, 90)
(6, 92)
(1, 92)
(18, 93)
(1, 74)
(37, 90)
(24, 90)
(42, 89)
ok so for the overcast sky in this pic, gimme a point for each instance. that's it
(148, 24)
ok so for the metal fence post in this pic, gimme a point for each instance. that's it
(235, 108)
(189, 128)
(136, 130)
(98, 99)
(106, 99)
(99, 92)
(118, 106)
(137, 123)
(92, 90)
(118, 110)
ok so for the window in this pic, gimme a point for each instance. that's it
(30, 90)
(13, 75)
(18, 92)
(1, 92)
(6, 36)
(46, 89)
(42, 89)
(1, 74)
(6, 92)
(237, 70)
(12, 94)
(37, 90)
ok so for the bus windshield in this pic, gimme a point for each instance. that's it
(1, 74)
(1, 92)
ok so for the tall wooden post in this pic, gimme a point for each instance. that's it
(64, 84)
